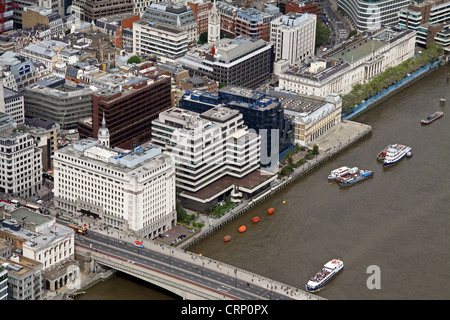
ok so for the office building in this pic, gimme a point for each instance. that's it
(35, 16)
(294, 37)
(23, 278)
(131, 190)
(12, 103)
(262, 113)
(45, 135)
(20, 159)
(46, 52)
(216, 156)
(311, 117)
(431, 21)
(173, 16)
(3, 284)
(201, 10)
(167, 43)
(91, 10)
(372, 14)
(129, 104)
(235, 21)
(242, 61)
(63, 104)
(302, 6)
(114, 26)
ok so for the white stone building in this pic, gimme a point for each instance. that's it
(167, 43)
(12, 103)
(131, 190)
(173, 16)
(356, 61)
(311, 117)
(38, 237)
(208, 148)
(294, 37)
(20, 161)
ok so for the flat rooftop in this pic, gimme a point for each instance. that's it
(250, 181)
(358, 50)
(220, 114)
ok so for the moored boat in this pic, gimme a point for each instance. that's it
(382, 154)
(394, 153)
(338, 173)
(329, 270)
(432, 117)
(355, 177)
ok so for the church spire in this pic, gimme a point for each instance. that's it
(103, 133)
(213, 24)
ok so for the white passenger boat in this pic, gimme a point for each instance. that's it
(339, 172)
(329, 270)
(394, 153)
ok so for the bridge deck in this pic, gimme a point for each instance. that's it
(189, 275)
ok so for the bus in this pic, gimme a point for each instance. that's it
(78, 228)
(32, 207)
(16, 203)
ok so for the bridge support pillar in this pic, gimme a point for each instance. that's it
(87, 263)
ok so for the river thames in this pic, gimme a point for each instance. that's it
(398, 220)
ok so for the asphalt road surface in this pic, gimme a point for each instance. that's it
(168, 264)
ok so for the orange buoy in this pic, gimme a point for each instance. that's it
(226, 238)
(271, 210)
(242, 228)
(255, 219)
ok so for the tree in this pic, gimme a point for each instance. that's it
(181, 212)
(134, 59)
(322, 34)
(203, 38)
(315, 150)
(352, 33)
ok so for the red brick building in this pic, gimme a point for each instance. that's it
(128, 111)
(301, 6)
(201, 10)
(113, 26)
(236, 21)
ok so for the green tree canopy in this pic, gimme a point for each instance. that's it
(203, 38)
(391, 75)
(322, 34)
(134, 59)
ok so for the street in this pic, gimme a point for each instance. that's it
(339, 28)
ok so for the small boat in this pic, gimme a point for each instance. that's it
(338, 173)
(227, 238)
(409, 154)
(271, 210)
(353, 178)
(329, 270)
(242, 229)
(432, 117)
(394, 153)
(255, 219)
